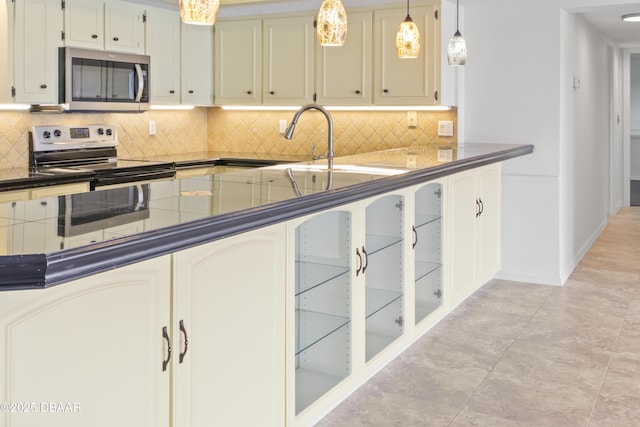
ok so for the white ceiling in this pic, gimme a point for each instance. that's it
(607, 19)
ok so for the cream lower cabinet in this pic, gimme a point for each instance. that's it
(88, 352)
(228, 355)
(430, 293)
(321, 312)
(475, 229)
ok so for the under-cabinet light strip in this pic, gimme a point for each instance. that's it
(172, 107)
(14, 107)
(338, 108)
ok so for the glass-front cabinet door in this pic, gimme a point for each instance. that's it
(427, 247)
(322, 305)
(381, 264)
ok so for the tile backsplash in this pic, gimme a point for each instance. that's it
(215, 129)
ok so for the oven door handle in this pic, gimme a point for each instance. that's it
(140, 83)
(139, 197)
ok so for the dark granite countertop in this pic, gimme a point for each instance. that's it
(187, 212)
(13, 179)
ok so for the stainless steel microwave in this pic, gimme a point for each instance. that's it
(95, 80)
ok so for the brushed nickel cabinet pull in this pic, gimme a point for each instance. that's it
(165, 335)
(186, 342)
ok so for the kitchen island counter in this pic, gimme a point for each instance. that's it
(188, 212)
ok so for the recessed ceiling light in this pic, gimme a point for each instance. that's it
(631, 17)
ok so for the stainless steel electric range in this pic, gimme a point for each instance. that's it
(62, 149)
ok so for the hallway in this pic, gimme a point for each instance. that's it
(518, 354)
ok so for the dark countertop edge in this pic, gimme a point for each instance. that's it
(45, 181)
(47, 270)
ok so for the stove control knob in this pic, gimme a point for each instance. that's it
(109, 132)
(57, 133)
(46, 134)
(100, 131)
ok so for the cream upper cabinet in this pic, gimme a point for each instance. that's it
(288, 60)
(197, 65)
(229, 345)
(401, 80)
(94, 24)
(6, 52)
(163, 45)
(94, 344)
(124, 27)
(343, 74)
(84, 23)
(238, 62)
(36, 52)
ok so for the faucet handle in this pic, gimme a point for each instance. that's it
(315, 156)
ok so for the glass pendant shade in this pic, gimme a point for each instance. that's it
(408, 39)
(199, 12)
(457, 50)
(332, 23)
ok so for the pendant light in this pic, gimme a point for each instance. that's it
(332, 23)
(408, 38)
(457, 49)
(199, 12)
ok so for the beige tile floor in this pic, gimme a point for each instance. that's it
(517, 354)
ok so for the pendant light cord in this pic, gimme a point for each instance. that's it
(457, 16)
(408, 7)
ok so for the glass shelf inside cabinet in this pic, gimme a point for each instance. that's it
(314, 327)
(310, 274)
(376, 243)
(425, 268)
(377, 299)
(423, 219)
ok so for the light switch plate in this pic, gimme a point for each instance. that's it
(412, 119)
(152, 127)
(445, 128)
(282, 123)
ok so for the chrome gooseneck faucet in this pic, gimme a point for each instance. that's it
(289, 132)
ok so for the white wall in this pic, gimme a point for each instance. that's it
(634, 125)
(518, 88)
(584, 178)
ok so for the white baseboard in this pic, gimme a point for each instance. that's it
(583, 251)
(536, 280)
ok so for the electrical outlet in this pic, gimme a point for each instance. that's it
(152, 127)
(412, 119)
(283, 125)
(445, 128)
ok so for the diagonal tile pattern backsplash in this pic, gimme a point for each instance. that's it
(214, 129)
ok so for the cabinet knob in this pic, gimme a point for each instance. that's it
(249, 92)
(43, 86)
(190, 91)
(172, 91)
(385, 90)
(115, 39)
(357, 92)
(94, 36)
(272, 93)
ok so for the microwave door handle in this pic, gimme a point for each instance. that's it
(140, 82)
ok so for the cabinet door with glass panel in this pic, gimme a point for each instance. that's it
(427, 249)
(381, 265)
(319, 334)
